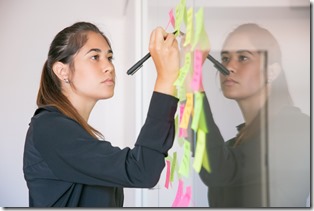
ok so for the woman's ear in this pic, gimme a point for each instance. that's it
(273, 72)
(61, 70)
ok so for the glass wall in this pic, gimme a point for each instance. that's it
(266, 161)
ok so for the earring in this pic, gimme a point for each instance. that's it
(66, 80)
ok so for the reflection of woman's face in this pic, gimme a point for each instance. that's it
(246, 79)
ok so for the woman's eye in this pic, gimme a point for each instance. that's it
(224, 59)
(243, 58)
(95, 57)
(110, 58)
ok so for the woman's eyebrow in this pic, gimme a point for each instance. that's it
(93, 49)
(245, 51)
(224, 52)
(98, 51)
(238, 51)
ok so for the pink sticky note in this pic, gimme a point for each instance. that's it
(172, 20)
(183, 133)
(167, 174)
(185, 200)
(178, 197)
(197, 75)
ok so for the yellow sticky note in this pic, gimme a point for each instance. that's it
(199, 151)
(187, 111)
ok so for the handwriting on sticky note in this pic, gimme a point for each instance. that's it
(185, 163)
(189, 27)
(197, 75)
(187, 111)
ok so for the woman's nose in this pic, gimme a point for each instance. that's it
(231, 66)
(108, 68)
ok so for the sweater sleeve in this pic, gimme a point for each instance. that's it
(222, 158)
(74, 156)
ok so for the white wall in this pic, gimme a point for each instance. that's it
(27, 29)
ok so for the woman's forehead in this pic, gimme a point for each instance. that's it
(96, 40)
(238, 42)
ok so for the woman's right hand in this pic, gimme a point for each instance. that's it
(164, 50)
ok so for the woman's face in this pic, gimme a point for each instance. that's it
(243, 60)
(94, 73)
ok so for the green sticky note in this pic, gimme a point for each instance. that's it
(179, 15)
(197, 111)
(189, 27)
(199, 151)
(173, 166)
(201, 39)
(206, 163)
(185, 163)
(202, 121)
(176, 124)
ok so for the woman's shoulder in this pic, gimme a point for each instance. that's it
(50, 116)
(292, 113)
(291, 119)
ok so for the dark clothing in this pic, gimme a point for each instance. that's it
(248, 176)
(64, 166)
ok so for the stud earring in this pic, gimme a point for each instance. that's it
(66, 80)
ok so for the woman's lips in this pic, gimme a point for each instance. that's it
(109, 82)
(229, 82)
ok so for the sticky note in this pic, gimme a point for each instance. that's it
(187, 111)
(178, 194)
(173, 166)
(185, 163)
(197, 110)
(206, 163)
(186, 198)
(167, 174)
(179, 15)
(200, 149)
(189, 28)
(197, 74)
(201, 39)
(172, 18)
(184, 70)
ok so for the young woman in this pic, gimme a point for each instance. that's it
(268, 162)
(66, 161)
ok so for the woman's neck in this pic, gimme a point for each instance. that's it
(82, 105)
(250, 107)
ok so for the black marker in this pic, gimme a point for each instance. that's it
(139, 64)
(218, 65)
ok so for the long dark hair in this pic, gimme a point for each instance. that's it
(279, 95)
(62, 49)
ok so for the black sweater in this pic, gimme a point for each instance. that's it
(64, 166)
(236, 173)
